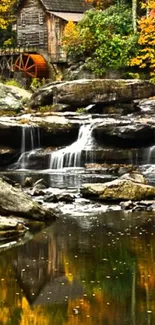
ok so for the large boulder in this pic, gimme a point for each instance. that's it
(124, 188)
(13, 201)
(11, 97)
(80, 93)
(51, 132)
(125, 134)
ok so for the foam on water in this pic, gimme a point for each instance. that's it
(71, 155)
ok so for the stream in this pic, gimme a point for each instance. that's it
(86, 270)
(94, 265)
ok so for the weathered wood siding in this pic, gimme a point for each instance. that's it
(32, 25)
(56, 27)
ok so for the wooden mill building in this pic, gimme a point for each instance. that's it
(40, 26)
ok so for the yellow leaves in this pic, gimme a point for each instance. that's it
(136, 61)
(150, 4)
(71, 35)
(3, 23)
(70, 30)
(6, 12)
(146, 55)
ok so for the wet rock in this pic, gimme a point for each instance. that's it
(135, 177)
(11, 223)
(10, 181)
(11, 228)
(62, 197)
(52, 198)
(80, 93)
(123, 169)
(118, 190)
(7, 155)
(137, 206)
(28, 182)
(147, 105)
(124, 134)
(36, 192)
(78, 70)
(53, 131)
(126, 205)
(118, 169)
(15, 201)
(40, 184)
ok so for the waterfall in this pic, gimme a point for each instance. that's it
(71, 155)
(30, 141)
(150, 154)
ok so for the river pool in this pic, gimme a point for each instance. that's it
(84, 271)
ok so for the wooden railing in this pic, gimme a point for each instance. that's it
(52, 57)
(17, 50)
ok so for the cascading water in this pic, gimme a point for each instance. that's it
(71, 155)
(151, 154)
(30, 142)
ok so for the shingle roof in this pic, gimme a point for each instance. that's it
(65, 5)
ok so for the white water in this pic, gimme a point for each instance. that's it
(30, 136)
(71, 155)
(151, 154)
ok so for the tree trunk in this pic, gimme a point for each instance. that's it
(134, 15)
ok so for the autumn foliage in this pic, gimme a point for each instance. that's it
(71, 34)
(104, 39)
(6, 12)
(146, 55)
(101, 4)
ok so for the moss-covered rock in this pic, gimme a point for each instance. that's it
(124, 188)
(79, 93)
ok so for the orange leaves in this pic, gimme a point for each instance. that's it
(146, 55)
(150, 4)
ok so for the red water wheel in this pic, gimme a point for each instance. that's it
(33, 65)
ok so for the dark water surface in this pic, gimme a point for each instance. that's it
(82, 271)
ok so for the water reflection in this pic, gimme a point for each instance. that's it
(100, 274)
(66, 178)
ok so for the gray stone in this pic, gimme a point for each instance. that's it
(13, 201)
(125, 133)
(62, 197)
(11, 98)
(119, 190)
(135, 177)
(80, 93)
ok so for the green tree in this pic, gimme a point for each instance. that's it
(145, 58)
(106, 39)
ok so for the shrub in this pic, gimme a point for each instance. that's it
(146, 55)
(104, 38)
(12, 82)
